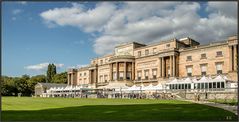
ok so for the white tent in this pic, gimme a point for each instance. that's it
(115, 86)
(219, 78)
(203, 80)
(187, 80)
(133, 88)
(174, 81)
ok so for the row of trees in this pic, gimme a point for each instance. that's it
(25, 84)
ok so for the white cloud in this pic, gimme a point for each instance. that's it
(147, 22)
(78, 66)
(17, 11)
(41, 66)
(22, 2)
(90, 20)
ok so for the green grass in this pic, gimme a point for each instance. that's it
(48, 109)
(228, 101)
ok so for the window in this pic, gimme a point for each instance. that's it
(218, 84)
(121, 75)
(101, 62)
(101, 78)
(219, 54)
(146, 52)
(203, 56)
(106, 78)
(139, 75)
(169, 72)
(139, 53)
(80, 74)
(206, 85)
(210, 85)
(128, 75)
(154, 50)
(167, 45)
(146, 74)
(84, 74)
(222, 85)
(219, 68)
(114, 75)
(189, 71)
(203, 69)
(214, 84)
(189, 58)
(154, 73)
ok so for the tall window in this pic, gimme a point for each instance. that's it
(114, 75)
(189, 71)
(154, 73)
(169, 71)
(128, 75)
(219, 54)
(139, 75)
(219, 68)
(203, 69)
(84, 74)
(189, 58)
(154, 50)
(106, 78)
(139, 53)
(101, 78)
(121, 75)
(146, 52)
(146, 74)
(203, 56)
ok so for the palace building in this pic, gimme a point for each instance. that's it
(135, 63)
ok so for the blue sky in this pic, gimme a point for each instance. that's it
(70, 34)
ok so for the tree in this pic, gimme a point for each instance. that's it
(51, 71)
(60, 78)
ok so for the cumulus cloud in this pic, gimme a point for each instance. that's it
(89, 20)
(147, 22)
(42, 66)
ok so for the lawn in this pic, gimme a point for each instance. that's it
(49, 109)
(224, 101)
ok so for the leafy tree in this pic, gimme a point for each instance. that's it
(60, 78)
(51, 71)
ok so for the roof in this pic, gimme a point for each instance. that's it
(52, 84)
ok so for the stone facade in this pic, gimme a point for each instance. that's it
(135, 63)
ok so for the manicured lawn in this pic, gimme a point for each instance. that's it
(228, 102)
(27, 108)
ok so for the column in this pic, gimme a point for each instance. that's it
(111, 72)
(95, 76)
(89, 76)
(68, 79)
(133, 71)
(235, 57)
(171, 66)
(230, 58)
(174, 66)
(72, 76)
(163, 67)
(125, 70)
(117, 70)
(160, 67)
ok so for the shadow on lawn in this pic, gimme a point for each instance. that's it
(143, 112)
